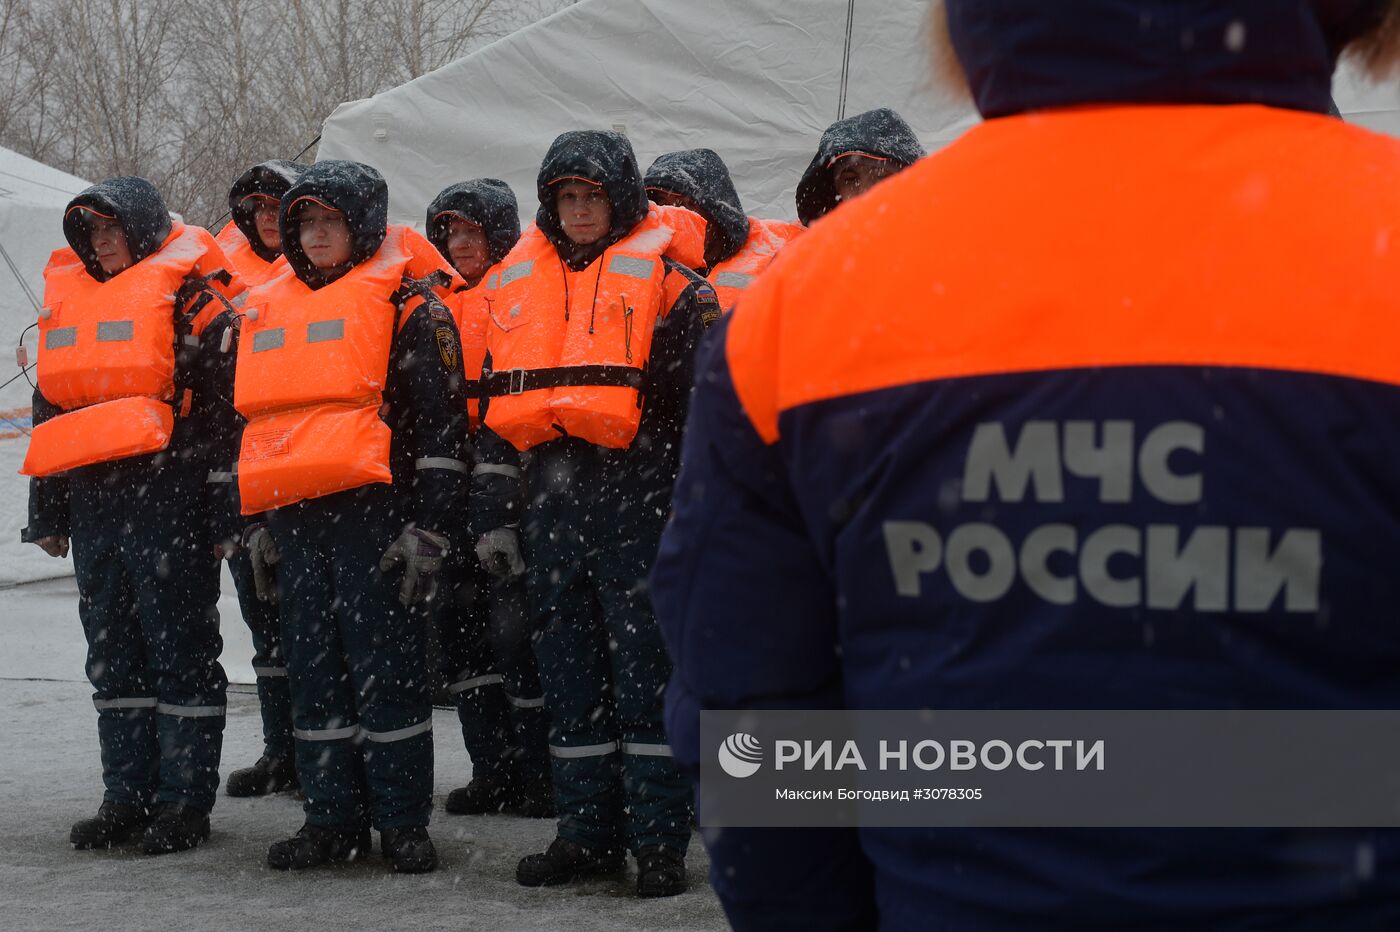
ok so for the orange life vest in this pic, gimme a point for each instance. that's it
(312, 365)
(574, 345)
(688, 239)
(470, 311)
(733, 275)
(243, 261)
(107, 352)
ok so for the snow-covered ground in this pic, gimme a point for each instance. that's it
(49, 776)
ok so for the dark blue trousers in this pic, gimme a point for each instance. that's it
(357, 660)
(148, 586)
(591, 534)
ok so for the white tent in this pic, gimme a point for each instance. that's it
(756, 80)
(32, 198)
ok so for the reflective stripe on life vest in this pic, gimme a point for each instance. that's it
(596, 322)
(312, 365)
(733, 275)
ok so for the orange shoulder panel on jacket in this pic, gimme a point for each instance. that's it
(1237, 236)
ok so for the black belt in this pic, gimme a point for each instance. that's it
(518, 381)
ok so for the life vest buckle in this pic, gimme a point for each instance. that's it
(517, 382)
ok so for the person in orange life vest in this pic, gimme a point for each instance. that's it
(486, 655)
(123, 415)
(594, 320)
(854, 155)
(251, 239)
(737, 247)
(252, 242)
(1191, 276)
(350, 375)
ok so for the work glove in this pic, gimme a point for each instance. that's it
(421, 553)
(264, 555)
(499, 552)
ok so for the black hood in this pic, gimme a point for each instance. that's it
(354, 189)
(273, 178)
(136, 205)
(606, 159)
(487, 202)
(1024, 55)
(877, 132)
(702, 176)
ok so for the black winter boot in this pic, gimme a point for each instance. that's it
(268, 775)
(564, 862)
(175, 827)
(113, 824)
(313, 846)
(660, 872)
(485, 793)
(409, 850)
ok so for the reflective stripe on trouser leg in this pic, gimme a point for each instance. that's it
(475, 682)
(190, 711)
(646, 750)
(398, 734)
(343, 733)
(126, 702)
(590, 750)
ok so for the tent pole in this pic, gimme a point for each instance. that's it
(846, 59)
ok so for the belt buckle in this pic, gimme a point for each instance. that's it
(517, 381)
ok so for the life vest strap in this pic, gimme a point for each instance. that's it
(519, 381)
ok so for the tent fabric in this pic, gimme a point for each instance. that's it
(756, 80)
(32, 198)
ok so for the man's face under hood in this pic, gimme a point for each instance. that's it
(130, 202)
(487, 202)
(255, 200)
(605, 159)
(353, 189)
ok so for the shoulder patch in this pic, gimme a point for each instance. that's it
(438, 311)
(706, 295)
(447, 346)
